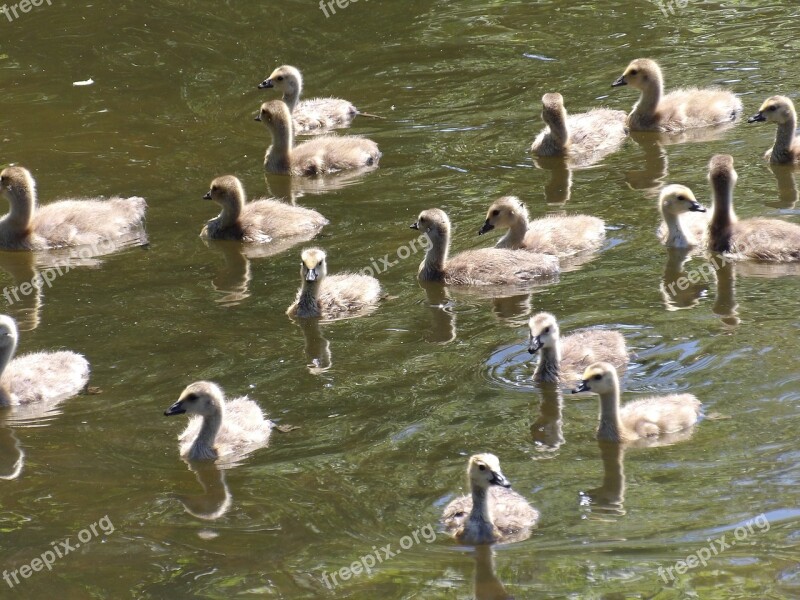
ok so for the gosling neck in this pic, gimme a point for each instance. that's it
(676, 236)
(231, 211)
(278, 157)
(646, 107)
(515, 237)
(611, 428)
(203, 446)
(292, 96)
(432, 267)
(6, 354)
(784, 137)
(549, 367)
(22, 202)
(481, 514)
(722, 215)
(308, 303)
(559, 132)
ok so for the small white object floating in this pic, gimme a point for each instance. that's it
(89, 81)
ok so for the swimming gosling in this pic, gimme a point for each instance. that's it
(767, 240)
(485, 266)
(681, 109)
(332, 296)
(557, 235)
(219, 428)
(48, 377)
(685, 220)
(72, 222)
(492, 513)
(325, 154)
(780, 110)
(308, 115)
(259, 221)
(563, 361)
(584, 137)
(648, 417)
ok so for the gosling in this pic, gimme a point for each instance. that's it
(557, 235)
(485, 266)
(219, 428)
(682, 109)
(645, 418)
(73, 222)
(259, 221)
(334, 296)
(325, 154)
(767, 240)
(563, 361)
(41, 377)
(780, 110)
(308, 115)
(584, 138)
(493, 513)
(685, 220)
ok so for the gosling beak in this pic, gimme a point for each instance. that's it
(414, 226)
(499, 479)
(258, 117)
(619, 81)
(756, 118)
(535, 345)
(583, 386)
(697, 207)
(266, 84)
(485, 227)
(207, 196)
(175, 409)
(312, 275)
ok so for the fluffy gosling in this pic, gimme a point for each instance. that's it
(681, 109)
(325, 154)
(259, 221)
(684, 219)
(767, 240)
(780, 110)
(562, 361)
(648, 417)
(332, 296)
(485, 266)
(557, 235)
(492, 513)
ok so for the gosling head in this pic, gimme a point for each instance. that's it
(274, 114)
(8, 332)
(778, 109)
(544, 332)
(200, 398)
(679, 199)
(285, 79)
(484, 471)
(17, 182)
(226, 190)
(598, 378)
(553, 108)
(504, 212)
(433, 222)
(721, 171)
(313, 266)
(640, 73)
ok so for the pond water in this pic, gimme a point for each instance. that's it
(390, 406)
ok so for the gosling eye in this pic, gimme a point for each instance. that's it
(482, 467)
(682, 198)
(633, 72)
(772, 108)
(191, 398)
(546, 330)
(214, 188)
(495, 213)
(597, 377)
(279, 78)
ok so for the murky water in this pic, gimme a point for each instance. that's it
(389, 406)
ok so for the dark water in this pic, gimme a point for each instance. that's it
(412, 390)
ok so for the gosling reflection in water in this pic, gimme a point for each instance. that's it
(787, 186)
(486, 584)
(12, 457)
(558, 188)
(443, 317)
(678, 289)
(546, 430)
(317, 348)
(608, 500)
(215, 500)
